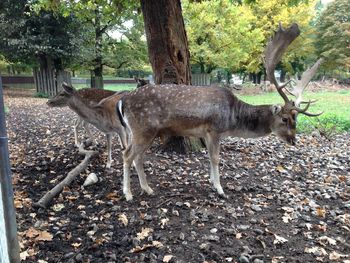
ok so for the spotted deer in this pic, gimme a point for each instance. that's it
(211, 113)
(94, 106)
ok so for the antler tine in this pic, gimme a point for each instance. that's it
(304, 111)
(274, 51)
(301, 84)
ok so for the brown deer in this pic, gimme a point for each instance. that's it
(90, 94)
(94, 106)
(211, 113)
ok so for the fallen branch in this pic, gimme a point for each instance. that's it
(47, 198)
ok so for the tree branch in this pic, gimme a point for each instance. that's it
(47, 198)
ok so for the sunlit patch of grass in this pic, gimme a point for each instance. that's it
(335, 105)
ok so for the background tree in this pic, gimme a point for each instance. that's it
(333, 35)
(167, 41)
(231, 34)
(41, 39)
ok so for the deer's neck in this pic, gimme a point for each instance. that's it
(250, 121)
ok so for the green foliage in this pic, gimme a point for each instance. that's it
(327, 124)
(221, 34)
(28, 35)
(40, 95)
(333, 34)
(230, 35)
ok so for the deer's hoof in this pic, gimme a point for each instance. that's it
(148, 190)
(128, 196)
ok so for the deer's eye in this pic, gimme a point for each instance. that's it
(285, 120)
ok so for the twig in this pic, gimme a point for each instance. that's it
(47, 198)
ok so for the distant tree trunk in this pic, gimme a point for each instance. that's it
(47, 78)
(97, 78)
(168, 49)
(283, 76)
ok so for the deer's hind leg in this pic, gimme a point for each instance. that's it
(213, 145)
(134, 153)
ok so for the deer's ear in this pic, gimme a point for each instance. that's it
(275, 109)
(67, 88)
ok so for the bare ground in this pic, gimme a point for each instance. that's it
(285, 204)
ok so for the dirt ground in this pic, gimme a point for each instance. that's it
(285, 203)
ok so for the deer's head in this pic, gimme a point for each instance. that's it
(61, 99)
(285, 117)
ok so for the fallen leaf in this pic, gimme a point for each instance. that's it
(336, 256)
(276, 259)
(32, 232)
(23, 255)
(155, 244)
(44, 236)
(280, 169)
(318, 251)
(76, 245)
(324, 240)
(238, 235)
(320, 212)
(58, 207)
(279, 240)
(122, 218)
(167, 258)
(163, 222)
(144, 233)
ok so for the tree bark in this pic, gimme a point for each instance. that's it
(168, 51)
(167, 41)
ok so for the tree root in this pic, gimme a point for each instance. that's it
(47, 198)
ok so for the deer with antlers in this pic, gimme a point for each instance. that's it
(211, 113)
(94, 106)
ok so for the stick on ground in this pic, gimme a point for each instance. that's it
(47, 198)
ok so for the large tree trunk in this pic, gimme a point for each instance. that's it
(168, 50)
(167, 41)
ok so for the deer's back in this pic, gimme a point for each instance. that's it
(179, 107)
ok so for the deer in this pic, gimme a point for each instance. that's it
(91, 94)
(94, 106)
(212, 113)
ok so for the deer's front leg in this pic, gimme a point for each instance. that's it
(88, 131)
(109, 150)
(77, 125)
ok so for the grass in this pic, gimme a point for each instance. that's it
(114, 87)
(335, 105)
(6, 109)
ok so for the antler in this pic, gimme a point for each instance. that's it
(272, 56)
(274, 51)
(300, 85)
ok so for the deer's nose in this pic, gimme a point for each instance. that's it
(292, 141)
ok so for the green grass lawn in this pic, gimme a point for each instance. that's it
(335, 105)
(114, 87)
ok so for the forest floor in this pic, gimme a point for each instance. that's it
(285, 203)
